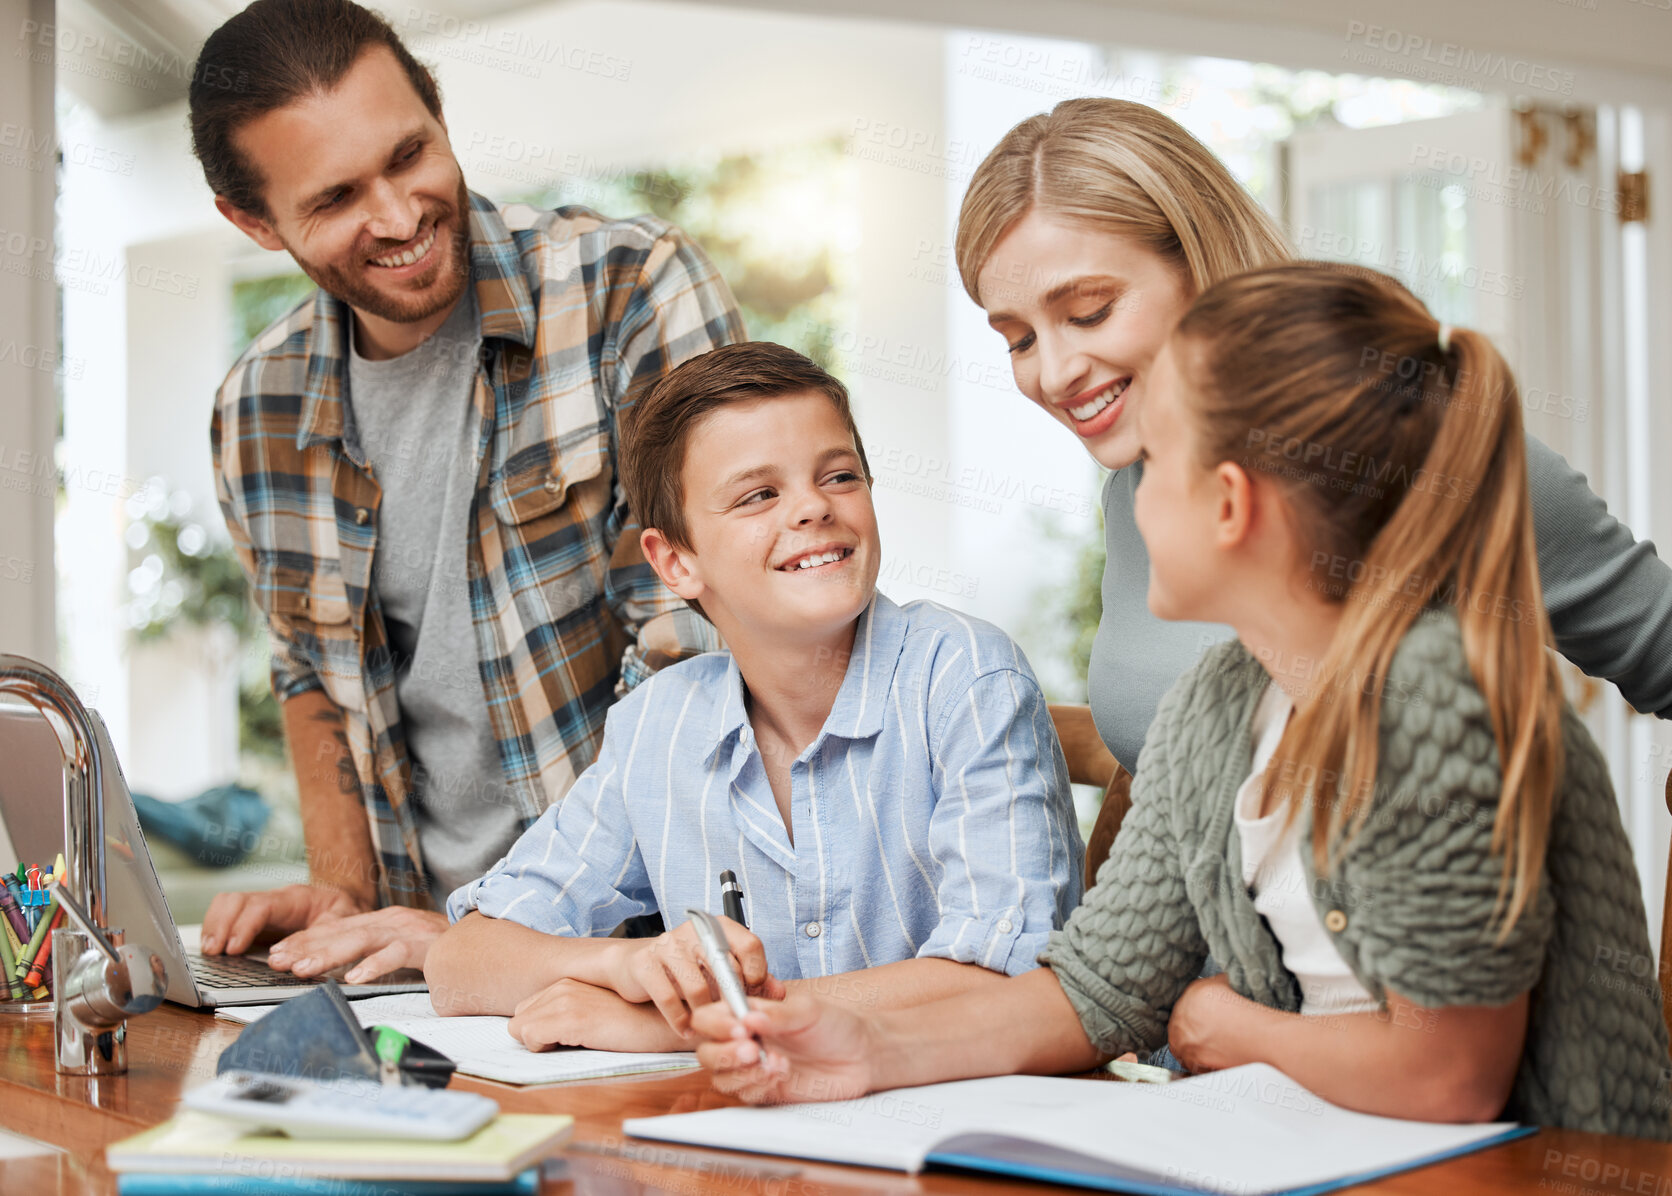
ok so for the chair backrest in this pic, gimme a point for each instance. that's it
(1666, 929)
(1117, 800)
(1090, 762)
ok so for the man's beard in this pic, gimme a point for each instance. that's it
(354, 287)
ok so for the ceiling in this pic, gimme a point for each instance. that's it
(156, 41)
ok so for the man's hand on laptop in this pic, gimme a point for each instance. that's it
(323, 928)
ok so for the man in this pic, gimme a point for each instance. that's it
(417, 470)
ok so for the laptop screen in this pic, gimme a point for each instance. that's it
(32, 807)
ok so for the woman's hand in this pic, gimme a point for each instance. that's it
(807, 1050)
(572, 1013)
(669, 971)
(1201, 1031)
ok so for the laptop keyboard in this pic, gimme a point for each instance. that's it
(240, 971)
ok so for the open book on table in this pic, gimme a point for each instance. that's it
(1247, 1131)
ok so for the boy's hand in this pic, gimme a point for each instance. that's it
(574, 1014)
(669, 971)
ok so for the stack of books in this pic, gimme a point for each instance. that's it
(198, 1154)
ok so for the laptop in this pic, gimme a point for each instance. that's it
(32, 809)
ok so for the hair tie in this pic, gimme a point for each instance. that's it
(1445, 338)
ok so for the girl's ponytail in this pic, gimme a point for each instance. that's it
(1400, 446)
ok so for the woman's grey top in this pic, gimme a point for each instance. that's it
(1608, 594)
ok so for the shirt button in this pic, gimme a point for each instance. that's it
(743, 735)
(1004, 926)
(302, 603)
(361, 515)
(553, 484)
(1335, 921)
(814, 930)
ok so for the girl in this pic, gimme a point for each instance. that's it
(1371, 807)
(1084, 235)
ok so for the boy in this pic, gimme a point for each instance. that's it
(884, 781)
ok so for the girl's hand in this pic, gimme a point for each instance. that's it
(670, 971)
(1201, 1030)
(807, 1050)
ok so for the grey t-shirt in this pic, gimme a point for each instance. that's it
(1608, 594)
(415, 420)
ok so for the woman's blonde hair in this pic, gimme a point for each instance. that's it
(1123, 168)
(1400, 449)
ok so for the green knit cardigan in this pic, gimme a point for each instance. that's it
(1409, 905)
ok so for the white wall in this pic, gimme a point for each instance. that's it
(29, 356)
(653, 82)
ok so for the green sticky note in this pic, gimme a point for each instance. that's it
(391, 1045)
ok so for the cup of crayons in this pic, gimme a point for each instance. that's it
(30, 915)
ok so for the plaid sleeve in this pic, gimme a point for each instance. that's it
(292, 673)
(679, 308)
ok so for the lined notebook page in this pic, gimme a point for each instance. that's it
(482, 1046)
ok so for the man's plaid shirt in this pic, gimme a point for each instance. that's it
(578, 314)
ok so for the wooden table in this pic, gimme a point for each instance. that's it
(173, 1049)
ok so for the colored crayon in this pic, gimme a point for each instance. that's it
(12, 910)
(35, 941)
(37, 970)
(13, 989)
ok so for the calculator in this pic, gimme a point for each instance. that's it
(342, 1108)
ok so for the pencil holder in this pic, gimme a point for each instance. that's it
(36, 905)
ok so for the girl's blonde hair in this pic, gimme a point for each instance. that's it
(1400, 449)
(1123, 168)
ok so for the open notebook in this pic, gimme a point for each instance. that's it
(1247, 1131)
(481, 1046)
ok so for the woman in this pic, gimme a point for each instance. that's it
(1084, 235)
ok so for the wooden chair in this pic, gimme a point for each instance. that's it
(1666, 930)
(1091, 763)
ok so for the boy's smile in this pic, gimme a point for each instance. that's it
(783, 534)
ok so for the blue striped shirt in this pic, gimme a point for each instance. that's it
(932, 813)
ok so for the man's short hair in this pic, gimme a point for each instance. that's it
(656, 429)
(270, 55)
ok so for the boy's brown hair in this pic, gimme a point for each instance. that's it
(655, 429)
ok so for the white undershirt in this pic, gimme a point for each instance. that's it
(1272, 868)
